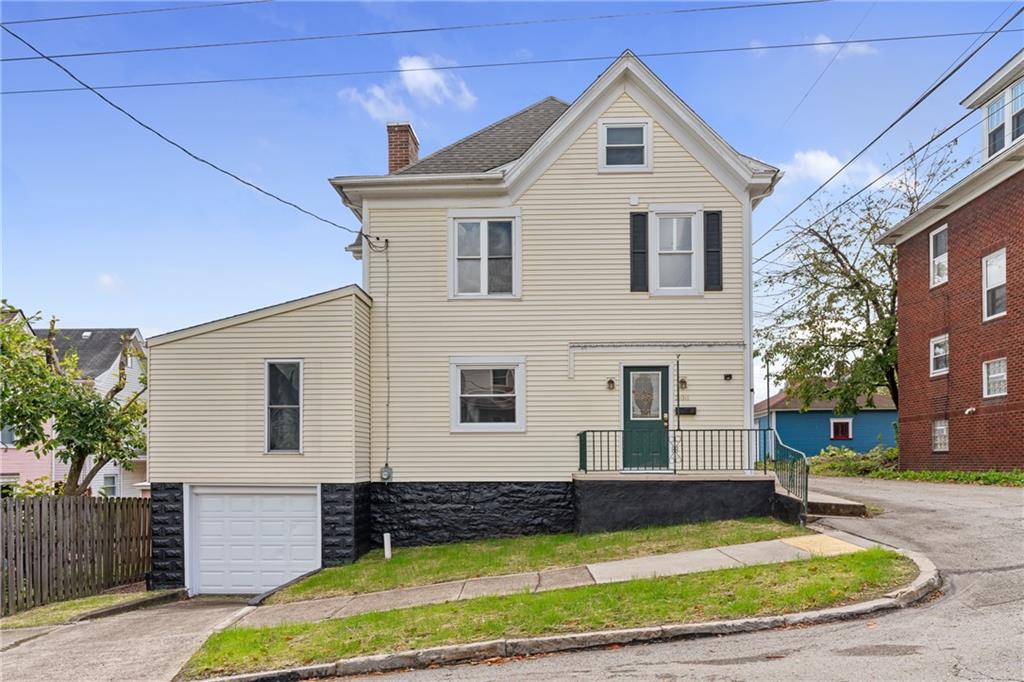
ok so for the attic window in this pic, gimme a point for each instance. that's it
(625, 145)
(86, 335)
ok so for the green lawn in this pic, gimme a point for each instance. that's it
(733, 593)
(62, 611)
(439, 563)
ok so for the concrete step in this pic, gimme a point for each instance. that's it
(819, 504)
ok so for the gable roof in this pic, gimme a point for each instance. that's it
(97, 348)
(495, 145)
(260, 313)
(781, 402)
(743, 176)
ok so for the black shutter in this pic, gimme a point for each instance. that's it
(712, 251)
(638, 252)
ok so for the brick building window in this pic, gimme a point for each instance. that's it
(993, 378)
(938, 246)
(939, 353)
(993, 273)
(940, 435)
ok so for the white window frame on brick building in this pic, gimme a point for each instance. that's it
(938, 268)
(940, 435)
(933, 345)
(993, 378)
(992, 278)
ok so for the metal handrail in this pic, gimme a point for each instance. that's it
(792, 471)
(674, 450)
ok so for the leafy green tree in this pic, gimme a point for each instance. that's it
(54, 409)
(831, 331)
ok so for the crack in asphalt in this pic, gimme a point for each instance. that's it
(994, 569)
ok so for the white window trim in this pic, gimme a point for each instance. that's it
(516, 362)
(483, 214)
(985, 393)
(266, 406)
(934, 422)
(831, 427)
(935, 340)
(653, 247)
(117, 483)
(602, 142)
(985, 317)
(931, 257)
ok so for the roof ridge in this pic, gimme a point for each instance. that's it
(481, 131)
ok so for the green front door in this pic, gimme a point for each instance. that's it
(645, 409)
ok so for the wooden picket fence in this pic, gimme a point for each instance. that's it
(56, 548)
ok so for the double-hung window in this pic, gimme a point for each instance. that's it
(938, 349)
(484, 254)
(284, 406)
(993, 378)
(1017, 110)
(624, 145)
(488, 393)
(995, 125)
(940, 435)
(993, 274)
(676, 257)
(938, 247)
(109, 488)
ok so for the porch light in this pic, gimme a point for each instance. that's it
(727, 377)
(682, 383)
(610, 384)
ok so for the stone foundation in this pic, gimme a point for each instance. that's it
(166, 504)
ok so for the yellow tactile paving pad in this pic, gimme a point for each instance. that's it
(822, 545)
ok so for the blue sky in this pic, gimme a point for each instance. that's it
(104, 225)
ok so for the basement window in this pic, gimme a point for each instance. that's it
(940, 435)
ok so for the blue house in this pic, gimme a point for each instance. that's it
(813, 430)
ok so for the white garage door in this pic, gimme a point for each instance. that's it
(249, 541)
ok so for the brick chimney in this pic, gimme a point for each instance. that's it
(403, 146)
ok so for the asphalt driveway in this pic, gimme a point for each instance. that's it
(146, 645)
(975, 631)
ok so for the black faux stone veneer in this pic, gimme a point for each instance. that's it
(345, 521)
(434, 513)
(166, 506)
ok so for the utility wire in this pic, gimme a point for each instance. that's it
(921, 98)
(134, 11)
(489, 65)
(835, 56)
(427, 29)
(178, 146)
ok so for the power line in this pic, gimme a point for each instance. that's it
(835, 56)
(921, 98)
(125, 12)
(177, 145)
(863, 189)
(489, 65)
(428, 29)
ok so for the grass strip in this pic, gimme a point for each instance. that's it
(732, 593)
(414, 566)
(62, 612)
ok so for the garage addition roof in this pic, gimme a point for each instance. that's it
(259, 313)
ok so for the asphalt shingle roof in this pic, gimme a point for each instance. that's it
(493, 146)
(96, 353)
(781, 401)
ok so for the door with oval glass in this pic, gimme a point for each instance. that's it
(645, 410)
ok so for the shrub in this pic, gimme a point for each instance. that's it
(840, 461)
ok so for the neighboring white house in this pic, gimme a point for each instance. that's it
(99, 355)
(548, 306)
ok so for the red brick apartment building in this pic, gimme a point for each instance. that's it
(961, 301)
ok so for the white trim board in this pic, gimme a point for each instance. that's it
(647, 347)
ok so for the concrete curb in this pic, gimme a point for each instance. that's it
(928, 580)
(173, 595)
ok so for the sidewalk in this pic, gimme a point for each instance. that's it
(680, 563)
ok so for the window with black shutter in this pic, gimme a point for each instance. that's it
(712, 251)
(638, 252)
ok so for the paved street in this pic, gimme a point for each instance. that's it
(974, 632)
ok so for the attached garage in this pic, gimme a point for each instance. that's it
(248, 540)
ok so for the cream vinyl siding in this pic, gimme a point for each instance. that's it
(575, 288)
(207, 398)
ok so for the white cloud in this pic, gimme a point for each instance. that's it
(849, 50)
(108, 281)
(819, 165)
(423, 81)
(380, 102)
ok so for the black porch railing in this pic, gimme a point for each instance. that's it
(695, 450)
